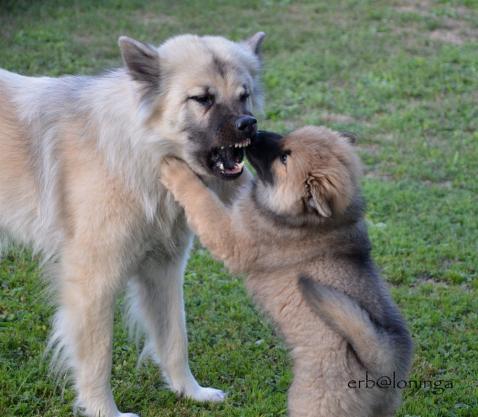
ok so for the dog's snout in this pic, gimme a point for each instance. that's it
(246, 124)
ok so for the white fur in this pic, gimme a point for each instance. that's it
(146, 248)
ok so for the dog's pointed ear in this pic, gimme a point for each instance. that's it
(142, 60)
(255, 42)
(317, 198)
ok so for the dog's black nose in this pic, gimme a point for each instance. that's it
(246, 124)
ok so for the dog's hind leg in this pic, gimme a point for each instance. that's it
(83, 329)
(156, 303)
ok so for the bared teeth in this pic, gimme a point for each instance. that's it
(242, 144)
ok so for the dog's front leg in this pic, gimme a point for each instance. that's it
(206, 214)
(83, 326)
(156, 303)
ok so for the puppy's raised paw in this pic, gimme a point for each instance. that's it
(175, 174)
(170, 164)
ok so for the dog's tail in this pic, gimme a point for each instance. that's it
(380, 349)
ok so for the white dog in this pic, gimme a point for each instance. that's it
(79, 161)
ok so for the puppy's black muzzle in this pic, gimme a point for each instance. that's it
(265, 147)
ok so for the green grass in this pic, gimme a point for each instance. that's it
(404, 76)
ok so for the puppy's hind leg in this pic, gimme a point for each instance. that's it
(156, 302)
(83, 329)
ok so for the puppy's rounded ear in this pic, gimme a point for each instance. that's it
(329, 192)
(350, 136)
(317, 197)
(255, 42)
(141, 59)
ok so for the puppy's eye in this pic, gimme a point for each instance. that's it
(283, 158)
(206, 100)
(244, 96)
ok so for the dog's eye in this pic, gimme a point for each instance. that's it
(244, 96)
(283, 158)
(206, 100)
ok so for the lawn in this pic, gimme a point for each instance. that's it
(403, 75)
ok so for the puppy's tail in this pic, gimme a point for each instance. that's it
(381, 350)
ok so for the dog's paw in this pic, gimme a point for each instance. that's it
(174, 172)
(207, 394)
(170, 164)
(126, 415)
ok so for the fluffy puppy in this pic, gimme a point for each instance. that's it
(297, 231)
